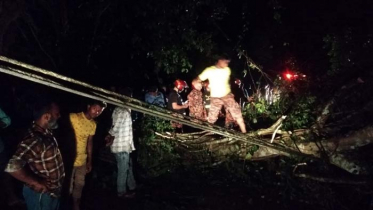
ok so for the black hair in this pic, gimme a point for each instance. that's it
(42, 107)
(222, 56)
(153, 89)
(102, 104)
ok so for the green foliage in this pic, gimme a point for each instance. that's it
(252, 150)
(290, 101)
(156, 155)
(170, 34)
(151, 124)
(302, 113)
(256, 111)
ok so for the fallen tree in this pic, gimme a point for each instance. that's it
(331, 138)
(220, 142)
(219, 147)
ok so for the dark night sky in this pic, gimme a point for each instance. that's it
(96, 43)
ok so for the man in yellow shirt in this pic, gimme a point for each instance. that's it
(220, 91)
(84, 128)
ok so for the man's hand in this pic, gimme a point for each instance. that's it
(89, 167)
(250, 99)
(36, 183)
(109, 140)
(185, 104)
(39, 186)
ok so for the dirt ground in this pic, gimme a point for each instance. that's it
(218, 189)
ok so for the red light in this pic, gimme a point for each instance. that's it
(289, 76)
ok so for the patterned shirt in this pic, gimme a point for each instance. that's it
(196, 106)
(83, 128)
(39, 150)
(122, 131)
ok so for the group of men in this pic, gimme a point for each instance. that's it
(38, 161)
(40, 165)
(206, 105)
(218, 77)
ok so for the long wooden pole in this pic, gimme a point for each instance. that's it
(112, 98)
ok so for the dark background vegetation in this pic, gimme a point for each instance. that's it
(135, 42)
(142, 43)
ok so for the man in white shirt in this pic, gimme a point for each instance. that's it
(120, 140)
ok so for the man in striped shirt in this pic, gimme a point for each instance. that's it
(38, 162)
(120, 139)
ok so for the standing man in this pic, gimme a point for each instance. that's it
(84, 128)
(175, 102)
(38, 162)
(218, 76)
(120, 140)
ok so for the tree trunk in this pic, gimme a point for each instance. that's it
(221, 147)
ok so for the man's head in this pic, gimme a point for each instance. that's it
(153, 90)
(46, 115)
(180, 85)
(222, 61)
(95, 108)
(197, 84)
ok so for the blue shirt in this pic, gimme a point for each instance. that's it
(157, 100)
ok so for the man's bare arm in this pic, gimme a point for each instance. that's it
(27, 177)
(178, 107)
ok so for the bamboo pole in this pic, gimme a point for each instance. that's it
(131, 103)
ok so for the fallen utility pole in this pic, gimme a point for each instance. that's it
(54, 80)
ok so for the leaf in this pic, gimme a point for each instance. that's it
(248, 156)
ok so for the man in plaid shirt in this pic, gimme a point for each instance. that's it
(120, 139)
(38, 162)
